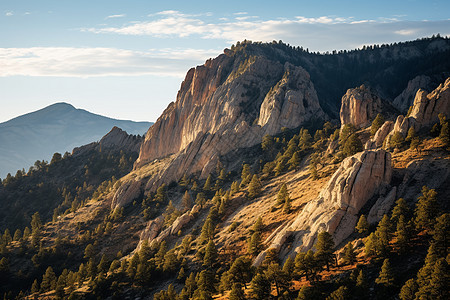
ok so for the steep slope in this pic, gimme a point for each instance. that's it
(57, 128)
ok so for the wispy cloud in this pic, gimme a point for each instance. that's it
(9, 13)
(115, 16)
(320, 33)
(95, 62)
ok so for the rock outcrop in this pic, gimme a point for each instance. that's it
(380, 136)
(119, 139)
(358, 179)
(116, 139)
(425, 110)
(360, 106)
(126, 193)
(228, 103)
(153, 234)
(403, 101)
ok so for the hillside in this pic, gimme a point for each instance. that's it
(57, 128)
(249, 186)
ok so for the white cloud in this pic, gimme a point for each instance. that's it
(319, 33)
(9, 13)
(406, 32)
(95, 62)
(115, 16)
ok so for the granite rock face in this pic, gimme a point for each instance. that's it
(380, 136)
(425, 110)
(226, 104)
(360, 106)
(126, 193)
(403, 101)
(359, 178)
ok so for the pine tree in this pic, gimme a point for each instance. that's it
(276, 275)
(245, 175)
(207, 186)
(349, 254)
(282, 194)
(7, 237)
(424, 274)
(288, 267)
(376, 124)
(258, 226)
(186, 201)
(208, 229)
(441, 236)
(254, 244)
(408, 290)
(411, 134)
(305, 140)
(383, 234)
(313, 171)
(236, 292)
(386, 276)
(89, 251)
(260, 287)
(254, 188)
(280, 166)
(426, 209)
(48, 280)
(170, 262)
(403, 235)
(241, 271)
(444, 135)
(340, 294)
(103, 265)
(17, 235)
(294, 161)
(361, 281)
(35, 287)
(206, 282)
(415, 142)
(267, 143)
(363, 226)
(370, 245)
(439, 282)
(325, 248)
(396, 140)
(401, 208)
(210, 258)
(352, 145)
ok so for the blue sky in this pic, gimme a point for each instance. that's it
(127, 59)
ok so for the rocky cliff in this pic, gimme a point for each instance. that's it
(425, 110)
(228, 103)
(360, 106)
(357, 180)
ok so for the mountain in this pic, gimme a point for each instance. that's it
(57, 128)
(276, 173)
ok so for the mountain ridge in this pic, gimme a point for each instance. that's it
(59, 127)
